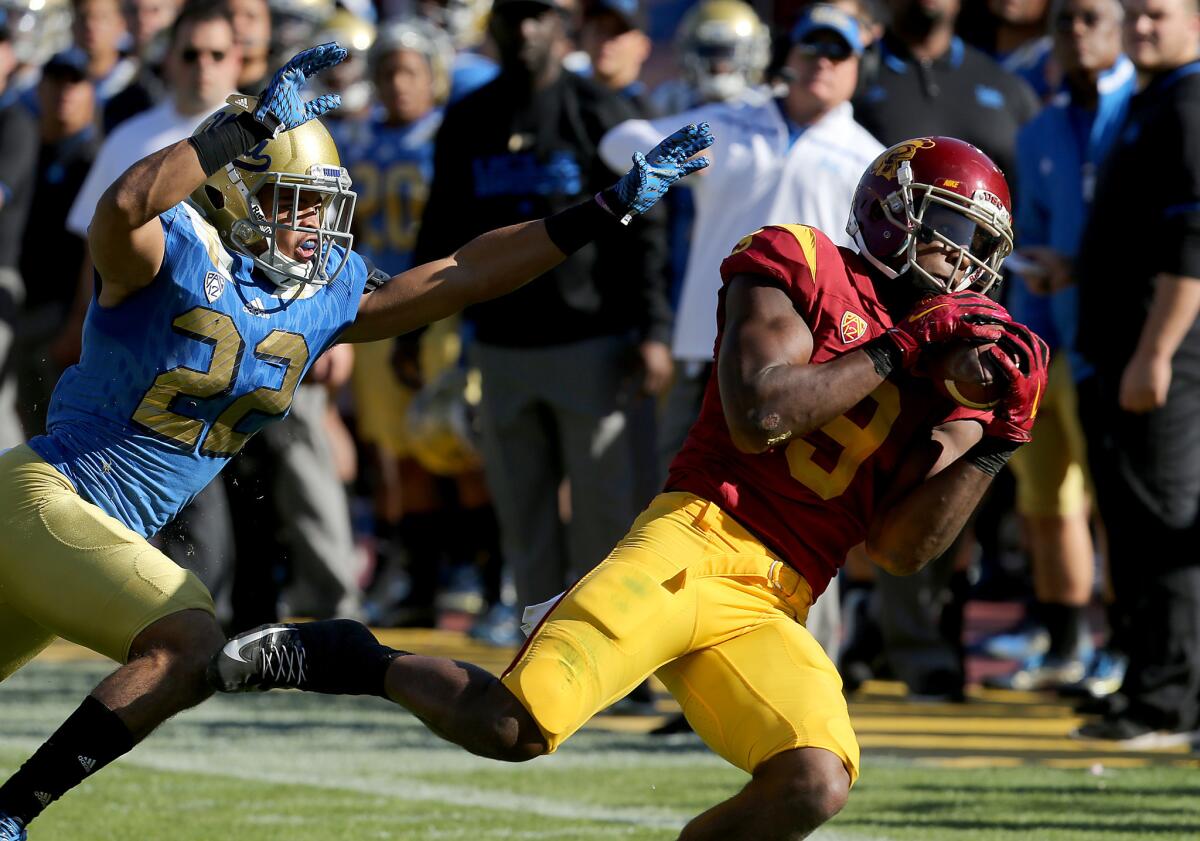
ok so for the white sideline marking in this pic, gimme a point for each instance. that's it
(417, 791)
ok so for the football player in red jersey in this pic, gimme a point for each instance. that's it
(815, 436)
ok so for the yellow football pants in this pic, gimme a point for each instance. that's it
(68, 569)
(1051, 470)
(693, 597)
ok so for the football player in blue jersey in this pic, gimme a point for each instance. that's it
(390, 153)
(224, 270)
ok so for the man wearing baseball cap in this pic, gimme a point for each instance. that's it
(614, 38)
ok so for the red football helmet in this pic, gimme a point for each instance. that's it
(933, 188)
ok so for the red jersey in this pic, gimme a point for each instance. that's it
(812, 498)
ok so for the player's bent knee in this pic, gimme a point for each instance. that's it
(811, 783)
(515, 733)
(816, 801)
(184, 642)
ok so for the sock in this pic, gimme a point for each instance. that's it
(87, 741)
(1067, 626)
(344, 658)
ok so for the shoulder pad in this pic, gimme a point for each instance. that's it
(376, 277)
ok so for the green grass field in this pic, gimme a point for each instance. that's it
(309, 768)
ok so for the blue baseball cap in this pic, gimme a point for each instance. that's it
(72, 61)
(822, 17)
(629, 11)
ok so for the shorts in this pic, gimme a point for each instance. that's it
(67, 569)
(691, 596)
(1051, 470)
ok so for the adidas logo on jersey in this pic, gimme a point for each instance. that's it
(255, 308)
(87, 763)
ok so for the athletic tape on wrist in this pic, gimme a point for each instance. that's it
(220, 144)
(990, 454)
(885, 356)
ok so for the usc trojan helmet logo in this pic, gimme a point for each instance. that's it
(890, 161)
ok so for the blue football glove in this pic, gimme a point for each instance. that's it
(652, 174)
(281, 107)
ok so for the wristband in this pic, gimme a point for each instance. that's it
(220, 144)
(990, 454)
(884, 354)
(573, 228)
(611, 202)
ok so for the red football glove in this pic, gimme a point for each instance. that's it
(958, 316)
(1023, 359)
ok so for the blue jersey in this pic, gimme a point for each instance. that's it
(1058, 155)
(391, 167)
(175, 378)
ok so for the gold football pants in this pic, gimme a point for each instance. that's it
(1051, 470)
(68, 569)
(693, 597)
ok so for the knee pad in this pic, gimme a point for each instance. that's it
(556, 681)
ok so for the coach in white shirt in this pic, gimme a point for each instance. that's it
(792, 159)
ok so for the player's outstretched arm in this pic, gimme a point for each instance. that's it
(125, 237)
(496, 263)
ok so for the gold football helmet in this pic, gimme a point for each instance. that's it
(294, 23)
(349, 30)
(724, 48)
(441, 423)
(240, 199)
(465, 21)
(348, 79)
(423, 37)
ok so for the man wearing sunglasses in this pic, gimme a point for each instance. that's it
(795, 158)
(202, 68)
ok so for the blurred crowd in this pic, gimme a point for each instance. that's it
(487, 463)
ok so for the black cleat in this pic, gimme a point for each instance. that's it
(335, 656)
(269, 657)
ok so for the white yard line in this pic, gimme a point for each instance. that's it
(250, 769)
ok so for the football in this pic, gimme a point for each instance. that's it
(964, 373)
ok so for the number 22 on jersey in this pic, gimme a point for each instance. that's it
(842, 445)
(156, 412)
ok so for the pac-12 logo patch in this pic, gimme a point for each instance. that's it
(853, 327)
(214, 285)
